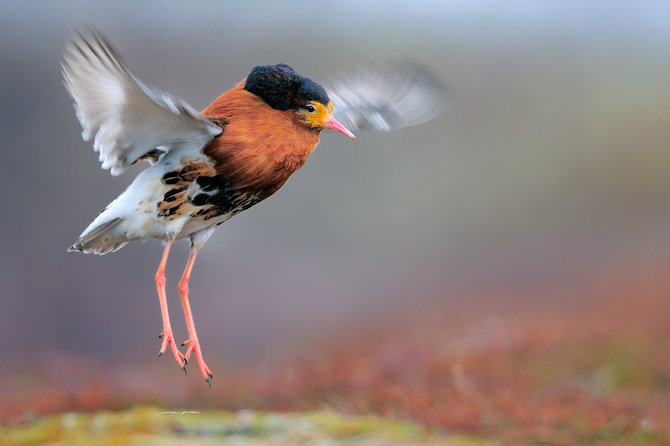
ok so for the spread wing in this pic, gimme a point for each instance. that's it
(387, 97)
(128, 118)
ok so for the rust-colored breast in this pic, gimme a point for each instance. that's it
(260, 147)
(258, 150)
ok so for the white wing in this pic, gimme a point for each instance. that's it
(127, 117)
(386, 97)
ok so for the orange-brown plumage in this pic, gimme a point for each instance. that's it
(260, 146)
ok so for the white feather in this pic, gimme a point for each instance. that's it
(127, 117)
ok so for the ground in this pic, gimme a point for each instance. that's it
(588, 365)
(154, 426)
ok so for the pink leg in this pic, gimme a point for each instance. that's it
(192, 343)
(168, 338)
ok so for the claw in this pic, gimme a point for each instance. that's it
(194, 347)
(168, 341)
(184, 368)
(209, 381)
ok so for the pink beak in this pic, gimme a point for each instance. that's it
(334, 124)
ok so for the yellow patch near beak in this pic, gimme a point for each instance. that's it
(320, 115)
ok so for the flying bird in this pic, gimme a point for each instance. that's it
(205, 167)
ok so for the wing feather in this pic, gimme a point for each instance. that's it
(387, 96)
(127, 118)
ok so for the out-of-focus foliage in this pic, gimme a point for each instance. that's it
(516, 370)
(154, 426)
(499, 270)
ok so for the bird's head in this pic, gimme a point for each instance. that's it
(284, 89)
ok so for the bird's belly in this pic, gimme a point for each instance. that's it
(194, 224)
(178, 197)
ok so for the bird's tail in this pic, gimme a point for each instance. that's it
(100, 239)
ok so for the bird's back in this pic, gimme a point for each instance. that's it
(186, 190)
(156, 205)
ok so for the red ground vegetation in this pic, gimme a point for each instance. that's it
(590, 363)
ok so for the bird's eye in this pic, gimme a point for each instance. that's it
(310, 108)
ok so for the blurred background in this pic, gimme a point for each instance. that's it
(551, 162)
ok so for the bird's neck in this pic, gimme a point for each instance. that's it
(260, 147)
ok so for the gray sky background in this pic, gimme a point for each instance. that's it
(553, 154)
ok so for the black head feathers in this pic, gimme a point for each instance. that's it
(282, 88)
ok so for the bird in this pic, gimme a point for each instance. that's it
(205, 167)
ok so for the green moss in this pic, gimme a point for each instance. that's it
(155, 426)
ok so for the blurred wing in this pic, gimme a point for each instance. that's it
(128, 118)
(387, 97)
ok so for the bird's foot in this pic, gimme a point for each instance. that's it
(168, 339)
(194, 347)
